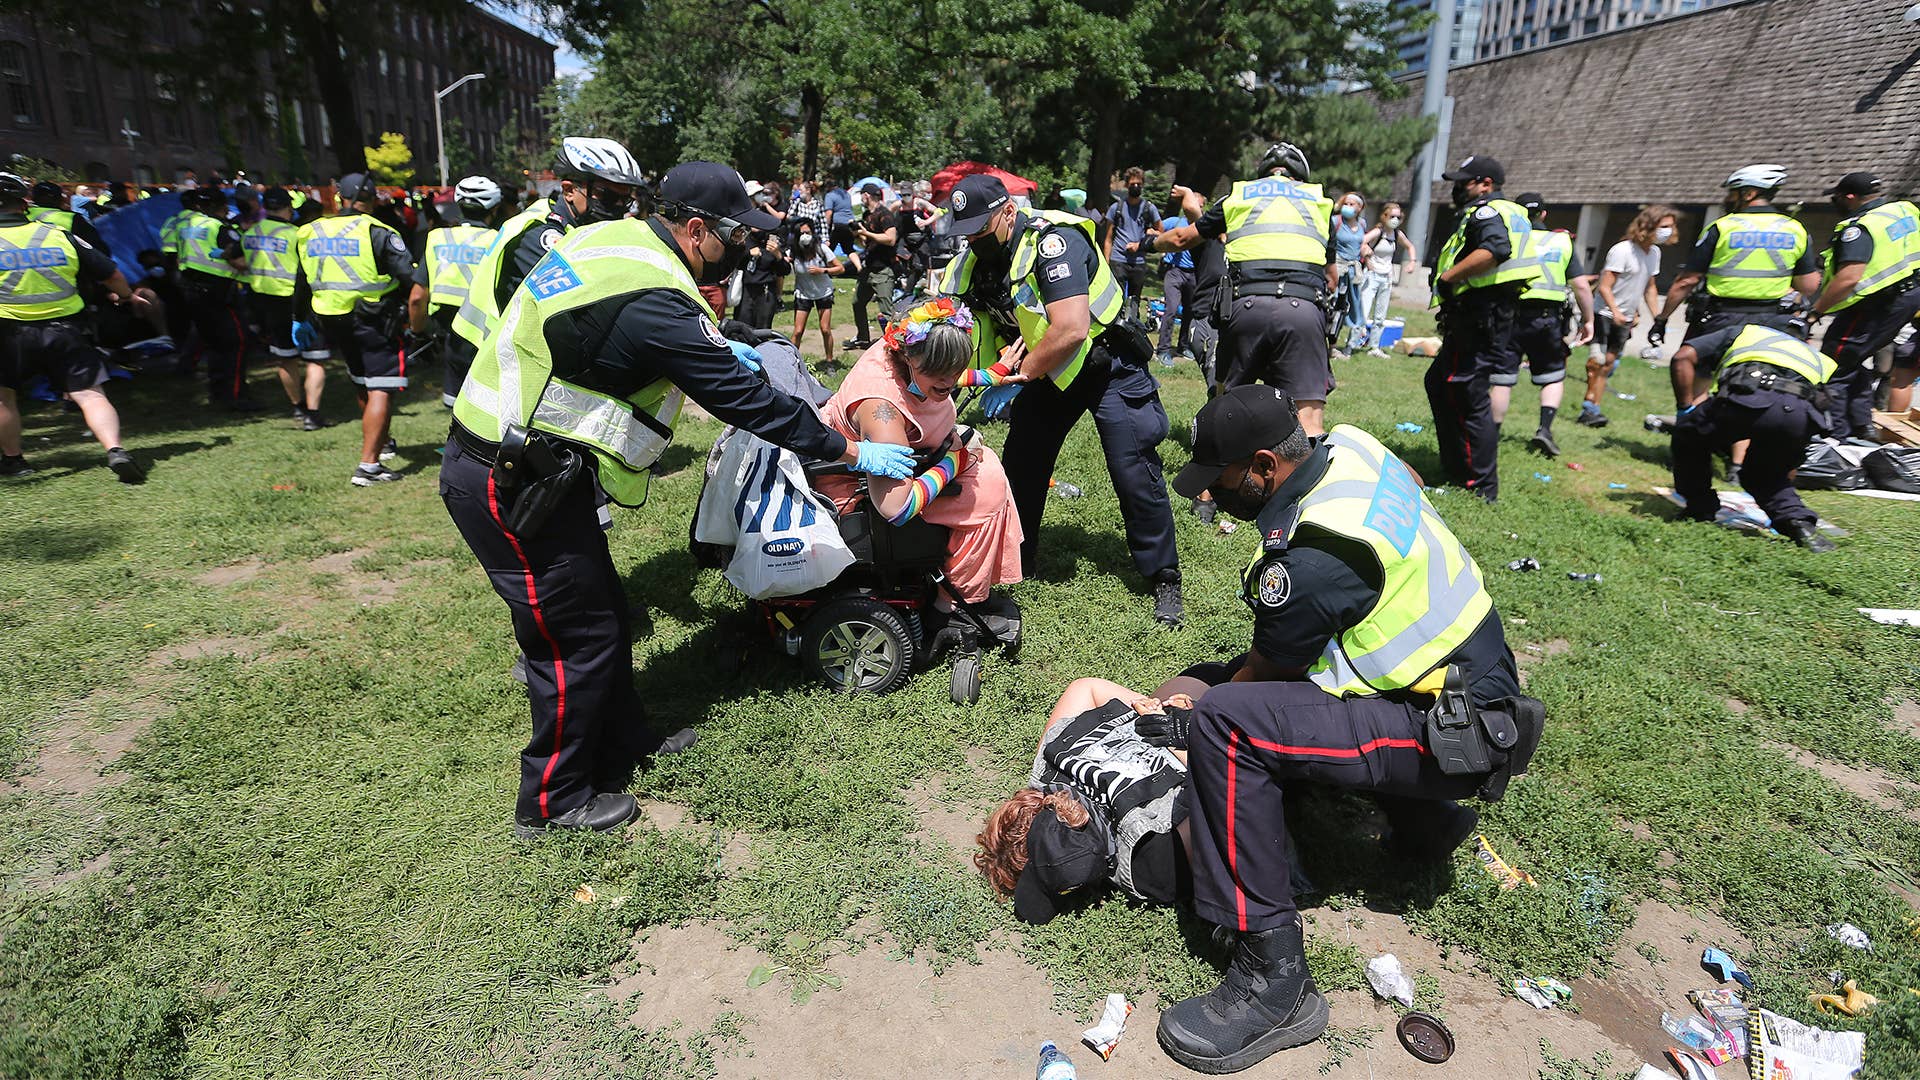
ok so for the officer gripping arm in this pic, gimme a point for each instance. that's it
(1693, 367)
(1065, 274)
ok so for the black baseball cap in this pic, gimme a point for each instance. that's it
(713, 190)
(1233, 427)
(1060, 861)
(275, 198)
(975, 199)
(1856, 183)
(1531, 201)
(1475, 167)
(357, 187)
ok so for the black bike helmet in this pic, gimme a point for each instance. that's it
(1285, 155)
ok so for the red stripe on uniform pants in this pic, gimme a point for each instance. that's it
(1335, 751)
(553, 647)
(1233, 862)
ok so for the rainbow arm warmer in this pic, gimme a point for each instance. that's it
(926, 487)
(993, 376)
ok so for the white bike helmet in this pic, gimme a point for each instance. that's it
(1758, 177)
(581, 158)
(476, 193)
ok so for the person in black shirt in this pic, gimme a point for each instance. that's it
(760, 278)
(880, 232)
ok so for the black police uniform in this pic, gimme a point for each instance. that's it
(367, 339)
(60, 350)
(1856, 333)
(1250, 739)
(210, 304)
(1709, 314)
(1209, 268)
(1540, 336)
(1779, 424)
(1272, 326)
(1476, 327)
(569, 605)
(1125, 403)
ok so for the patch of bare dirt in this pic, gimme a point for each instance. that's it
(955, 823)
(238, 573)
(205, 649)
(1906, 716)
(664, 816)
(99, 864)
(75, 754)
(1737, 707)
(1870, 784)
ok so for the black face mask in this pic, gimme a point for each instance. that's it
(604, 205)
(718, 270)
(1460, 196)
(1133, 191)
(1246, 501)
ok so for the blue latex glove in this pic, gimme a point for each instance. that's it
(305, 335)
(995, 399)
(745, 353)
(884, 459)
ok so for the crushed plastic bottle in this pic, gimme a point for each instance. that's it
(1696, 1034)
(1593, 579)
(1524, 565)
(1065, 490)
(1388, 980)
(1054, 1064)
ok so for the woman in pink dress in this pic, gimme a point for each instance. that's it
(901, 390)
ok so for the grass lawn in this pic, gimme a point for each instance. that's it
(257, 762)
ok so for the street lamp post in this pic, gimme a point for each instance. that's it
(1433, 103)
(439, 130)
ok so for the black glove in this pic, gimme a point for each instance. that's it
(1169, 729)
(1657, 333)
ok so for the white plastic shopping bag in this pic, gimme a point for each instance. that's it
(785, 539)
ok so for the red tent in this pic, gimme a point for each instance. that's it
(945, 179)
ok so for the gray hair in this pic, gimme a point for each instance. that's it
(948, 350)
(1294, 447)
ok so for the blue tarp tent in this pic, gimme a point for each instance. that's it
(133, 229)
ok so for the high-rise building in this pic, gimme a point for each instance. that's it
(1511, 26)
(1412, 45)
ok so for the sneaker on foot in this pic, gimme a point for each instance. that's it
(1204, 509)
(299, 412)
(1592, 418)
(124, 467)
(390, 451)
(855, 343)
(312, 422)
(1169, 609)
(369, 475)
(1543, 441)
(15, 466)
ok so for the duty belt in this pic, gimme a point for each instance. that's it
(482, 450)
(1279, 289)
(1768, 377)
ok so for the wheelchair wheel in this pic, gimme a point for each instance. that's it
(859, 645)
(964, 687)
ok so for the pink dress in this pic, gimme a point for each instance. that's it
(983, 549)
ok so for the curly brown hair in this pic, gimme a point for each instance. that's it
(1648, 219)
(1003, 844)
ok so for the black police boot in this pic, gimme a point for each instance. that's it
(1808, 535)
(1266, 1003)
(1169, 608)
(602, 813)
(1423, 830)
(1204, 509)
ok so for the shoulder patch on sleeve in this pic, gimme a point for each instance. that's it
(1852, 233)
(1058, 271)
(548, 238)
(1486, 212)
(1052, 246)
(1275, 586)
(712, 332)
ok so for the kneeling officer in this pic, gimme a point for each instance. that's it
(1378, 663)
(578, 385)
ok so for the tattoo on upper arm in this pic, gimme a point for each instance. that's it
(884, 412)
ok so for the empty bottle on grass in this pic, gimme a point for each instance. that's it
(1066, 490)
(1054, 1064)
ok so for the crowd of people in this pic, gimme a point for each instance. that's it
(572, 329)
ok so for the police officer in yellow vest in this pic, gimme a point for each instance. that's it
(1540, 323)
(578, 387)
(599, 181)
(446, 274)
(1757, 384)
(212, 263)
(1044, 288)
(1872, 288)
(279, 299)
(41, 331)
(1378, 663)
(355, 267)
(1753, 260)
(1280, 271)
(1477, 281)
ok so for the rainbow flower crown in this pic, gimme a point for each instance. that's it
(912, 327)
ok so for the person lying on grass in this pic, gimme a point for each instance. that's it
(1103, 805)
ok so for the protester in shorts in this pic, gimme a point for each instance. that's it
(814, 268)
(1379, 250)
(1626, 285)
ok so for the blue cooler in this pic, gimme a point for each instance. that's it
(1391, 332)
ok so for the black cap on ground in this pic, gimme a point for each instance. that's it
(1233, 427)
(713, 190)
(1060, 860)
(975, 199)
(1477, 166)
(1856, 183)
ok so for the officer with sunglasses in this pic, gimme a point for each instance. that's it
(578, 386)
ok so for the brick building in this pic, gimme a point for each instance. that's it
(1664, 112)
(69, 101)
